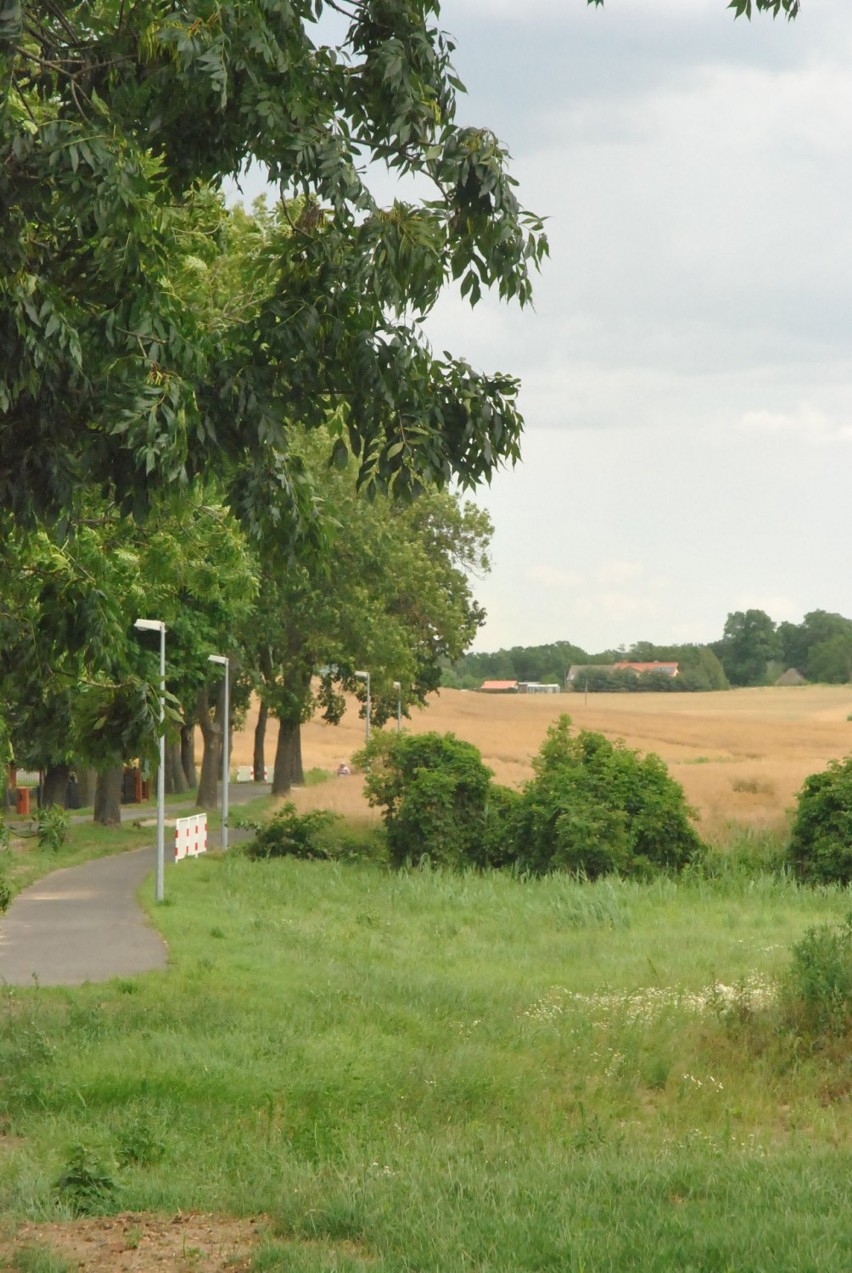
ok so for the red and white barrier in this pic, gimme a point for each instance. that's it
(190, 836)
(245, 773)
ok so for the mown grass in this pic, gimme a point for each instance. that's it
(435, 1072)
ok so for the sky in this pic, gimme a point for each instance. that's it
(687, 367)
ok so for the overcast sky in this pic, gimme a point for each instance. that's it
(687, 384)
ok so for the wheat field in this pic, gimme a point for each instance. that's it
(741, 756)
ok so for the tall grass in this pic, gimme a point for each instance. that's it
(435, 1072)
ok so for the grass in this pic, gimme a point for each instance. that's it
(434, 1072)
(28, 860)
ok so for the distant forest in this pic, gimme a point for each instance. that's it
(753, 650)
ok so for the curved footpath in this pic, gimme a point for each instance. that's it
(80, 924)
(83, 923)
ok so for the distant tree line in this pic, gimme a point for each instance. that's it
(753, 650)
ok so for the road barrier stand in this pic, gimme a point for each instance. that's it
(190, 836)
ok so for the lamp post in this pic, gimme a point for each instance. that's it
(365, 676)
(223, 660)
(157, 625)
(398, 689)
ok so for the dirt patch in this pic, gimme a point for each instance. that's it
(143, 1242)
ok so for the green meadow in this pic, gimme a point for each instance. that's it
(425, 1071)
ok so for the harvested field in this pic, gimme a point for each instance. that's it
(741, 756)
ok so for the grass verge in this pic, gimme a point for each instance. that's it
(439, 1072)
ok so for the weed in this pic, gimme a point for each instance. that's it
(53, 823)
(86, 1184)
(817, 991)
(753, 786)
(141, 1142)
(39, 1259)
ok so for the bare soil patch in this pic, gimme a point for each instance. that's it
(741, 756)
(141, 1243)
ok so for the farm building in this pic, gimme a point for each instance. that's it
(538, 687)
(669, 669)
(499, 687)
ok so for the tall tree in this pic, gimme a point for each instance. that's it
(749, 644)
(389, 592)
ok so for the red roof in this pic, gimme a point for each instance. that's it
(499, 685)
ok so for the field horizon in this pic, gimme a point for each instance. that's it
(741, 755)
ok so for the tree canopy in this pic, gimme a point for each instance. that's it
(118, 124)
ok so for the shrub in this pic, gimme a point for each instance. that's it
(53, 823)
(291, 834)
(434, 791)
(596, 807)
(86, 1184)
(817, 991)
(820, 850)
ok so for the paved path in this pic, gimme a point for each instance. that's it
(83, 923)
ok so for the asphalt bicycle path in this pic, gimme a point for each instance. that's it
(83, 923)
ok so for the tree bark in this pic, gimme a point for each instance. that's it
(86, 780)
(108, 796)
(55, 787)
(175, 777)
(258, 756)
(288, 758)
(187, 754)
(211, 756)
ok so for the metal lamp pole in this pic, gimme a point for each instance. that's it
(157, 625)
(398, 689)
(226, 738)
(365, 676)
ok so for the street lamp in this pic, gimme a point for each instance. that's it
(157, 625)
(365, 676)
(398, 689)
(222, 659)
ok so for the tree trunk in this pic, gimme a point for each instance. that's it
(211, 756)
(288, 758)
(55, 787)
(175, 777)
(108, 796)
(86, 779)
(258, 758)
(187, 754)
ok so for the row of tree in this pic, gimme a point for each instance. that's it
(194, 400)
(383, 585)
(753, 650)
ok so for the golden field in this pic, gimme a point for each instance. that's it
(740, 755)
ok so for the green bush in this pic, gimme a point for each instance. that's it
(596, 807)
(817, 991)
(434, 791)
(820, 850)
(291, 834)
(53, 822)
